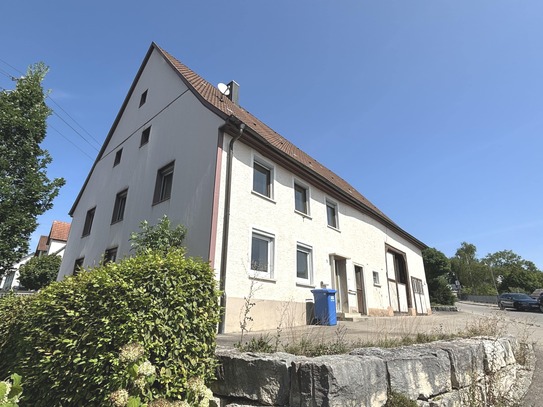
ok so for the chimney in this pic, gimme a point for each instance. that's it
(234, 92)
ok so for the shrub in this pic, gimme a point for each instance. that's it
(12, 311)
(40, 271)
(440, 292)
(69, 336)
(158, 237)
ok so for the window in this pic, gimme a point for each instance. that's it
(118, 209)
(110, 255)
(304, 264)
(118, 155)
(163, 186)
(88, 222)
(262, 177)
(301, 203)
(143, 98)
(331, 214)
(262, 254)
(145, 136)
(78, 266)
(376, 278)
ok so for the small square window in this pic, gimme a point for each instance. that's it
(163, 185)
(301, 203)
(262, 177)
(331, 214)
(304, 266)
(78, 265)
(88, 222)
(145, 136)
(262, 252)
(118, 155)
(110, 255)
(143, 98)
(118, 209)
(376, 278)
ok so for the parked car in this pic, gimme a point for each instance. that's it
(518, 301)
(535, 295)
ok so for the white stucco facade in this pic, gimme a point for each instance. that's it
(375, 267)
(359, 242)
(183, 132)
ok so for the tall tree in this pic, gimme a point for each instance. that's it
(438, 269)
(40, 271)
(25, 190)
(474, 276)
(513, 272)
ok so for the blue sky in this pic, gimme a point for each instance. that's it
(431, 109)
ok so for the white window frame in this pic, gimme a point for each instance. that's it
(376, 279)
(264, 164)
(307, 198)
(331, 203)
(308, 250)
(270, 239)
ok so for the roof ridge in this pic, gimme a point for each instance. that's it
(212, 96)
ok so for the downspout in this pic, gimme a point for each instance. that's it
(226, 226)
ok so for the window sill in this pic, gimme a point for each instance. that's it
(305, 285)
(263, 279)
(159, 202)
(304, 215)
(377, 285)
(267, 198)
(333, 228)
(116, 221)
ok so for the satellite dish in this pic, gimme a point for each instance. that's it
(224, 89)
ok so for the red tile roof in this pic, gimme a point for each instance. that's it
(42, 244)
(60, 231)
(224, 107)
(211, 96)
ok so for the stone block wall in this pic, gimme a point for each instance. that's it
(480, 371)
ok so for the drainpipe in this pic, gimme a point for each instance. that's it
(226, 225)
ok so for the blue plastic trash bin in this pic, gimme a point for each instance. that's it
(325, 306)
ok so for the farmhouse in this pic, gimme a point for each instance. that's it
(273, 222)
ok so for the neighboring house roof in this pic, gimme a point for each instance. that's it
(42, 244)
(60, 231)
(258, 133)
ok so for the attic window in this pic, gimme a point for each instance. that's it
(118, 155)
(145, 136)
(143, 98)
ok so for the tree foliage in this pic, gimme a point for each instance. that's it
(160, 237)
(25, 190)
(475, 277)
(39, 272)
(438, 268)
(501, 271)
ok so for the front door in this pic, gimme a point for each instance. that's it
(360, 289)
(340, 280)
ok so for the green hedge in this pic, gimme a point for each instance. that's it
(69, 335)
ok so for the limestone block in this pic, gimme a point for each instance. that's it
(338, 380)
(419, 371)
(260, 377)
(467, 361)
(496, 354)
